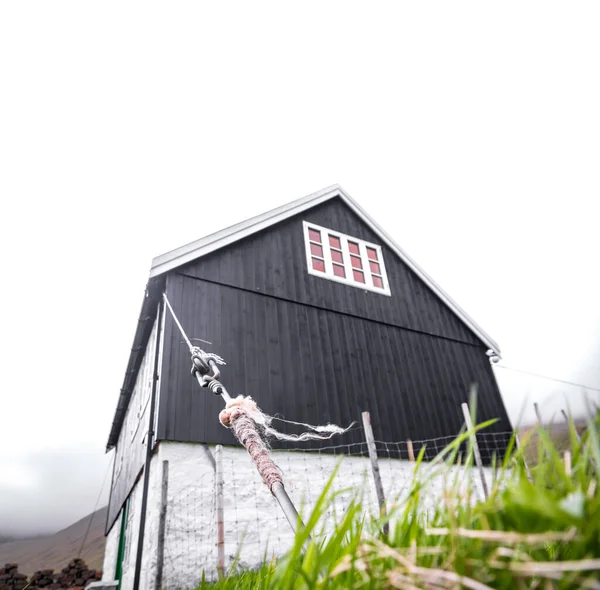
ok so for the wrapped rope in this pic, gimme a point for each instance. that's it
(246, 432)
(251, 426)
(244, 417)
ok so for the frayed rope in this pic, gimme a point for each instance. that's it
(246, 405)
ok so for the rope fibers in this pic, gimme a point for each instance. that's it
(247, 406)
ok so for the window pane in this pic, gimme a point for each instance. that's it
(374, 267)
(314, 235)
(336, 256)
(371, 253)
(358, 276)
(378, 282)
(356, 262)
(335, 242)
(353, 248)
(316, 250)
(318, 264)
(339, 271)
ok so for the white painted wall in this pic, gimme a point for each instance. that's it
(149, 563)
(130, 453)
(111, 550)
(254, 523)
(131, 534)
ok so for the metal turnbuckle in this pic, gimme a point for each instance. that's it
(204, 366)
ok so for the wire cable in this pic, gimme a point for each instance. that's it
(549, 378)
(87, 532)
(187, 340)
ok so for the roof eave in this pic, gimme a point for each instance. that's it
(427, 279)
(189, 252)
(142, 332)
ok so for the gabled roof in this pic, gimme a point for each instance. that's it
(194, 250)
(202, 247)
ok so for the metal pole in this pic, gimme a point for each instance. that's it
(478, 461)
(216, 386)
(162, 519)
(149, 449)
(287, 506)
(366, 417)
(219, 502)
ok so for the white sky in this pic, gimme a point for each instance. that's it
(469, 131)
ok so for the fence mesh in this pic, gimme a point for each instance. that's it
(190, 531)
(256, 528)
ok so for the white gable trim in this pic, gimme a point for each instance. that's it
(224, 237)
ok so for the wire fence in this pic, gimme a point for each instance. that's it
(254, 526)
(190, 532)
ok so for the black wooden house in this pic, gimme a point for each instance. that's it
(319, 316)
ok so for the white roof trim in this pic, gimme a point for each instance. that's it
(202, 247)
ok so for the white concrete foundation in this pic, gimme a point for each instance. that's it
(255, 526)
(110, 551)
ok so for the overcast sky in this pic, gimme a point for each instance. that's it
(470, 131)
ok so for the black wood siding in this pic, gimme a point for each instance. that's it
(273, 262)
(312, 365)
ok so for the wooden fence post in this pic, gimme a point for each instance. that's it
(567, 460)
(538, 414)
(366, 417)
(478, 461)
(162, 518)
(576, 434)
(568, 424)
(219, 503)
(518, 444)
(411, 451)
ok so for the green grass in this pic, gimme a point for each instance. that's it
(542, 532)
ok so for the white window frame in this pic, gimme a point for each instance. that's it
(348, 279)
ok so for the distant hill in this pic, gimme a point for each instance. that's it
(559, 434)
(55, 551)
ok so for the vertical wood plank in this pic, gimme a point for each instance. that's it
(314, 365)
(252, 262)
(469, 423)
(366, 417)
(220, 521)
(162, 518)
